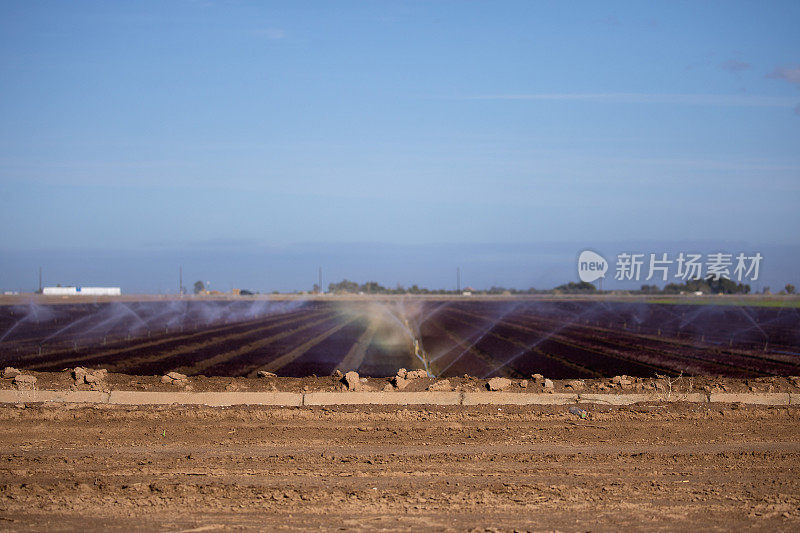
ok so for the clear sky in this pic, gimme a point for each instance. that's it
(138, 128)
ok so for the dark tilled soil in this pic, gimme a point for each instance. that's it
(513, 338)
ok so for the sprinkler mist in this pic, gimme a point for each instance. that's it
(403, 318)
(419, 351)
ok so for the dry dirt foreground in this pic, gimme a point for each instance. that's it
(646, 467)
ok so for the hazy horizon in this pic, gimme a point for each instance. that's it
(295, 268)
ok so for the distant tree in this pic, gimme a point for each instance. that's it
(790, 289)
(315, 288)
(707, 286)
(344, 286)
(726, 286)
(199, 287)
(572, 287)
(649, 289)
(372, 287)
(766, 290)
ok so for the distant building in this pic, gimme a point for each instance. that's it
(82, 291)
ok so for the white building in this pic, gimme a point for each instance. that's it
(82, 291)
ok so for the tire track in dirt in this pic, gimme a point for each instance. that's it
(378, 468)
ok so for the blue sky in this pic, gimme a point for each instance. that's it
(134, 130)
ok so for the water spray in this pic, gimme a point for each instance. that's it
(419, 351)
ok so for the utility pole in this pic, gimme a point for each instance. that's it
(40, 280)
(180, 280)
(458, 279)
(321, 291)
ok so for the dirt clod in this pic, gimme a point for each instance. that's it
(443, 385)
(575, 384)
(622, 381)
(175, 378)
(399, 382)
(498, 384)
(10, 372)
(95, 378)
(79, 374)
(352, 381)
(25, 382)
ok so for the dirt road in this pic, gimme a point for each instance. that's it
(648, 467)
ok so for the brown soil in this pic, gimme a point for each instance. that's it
(649, 467)
(64, 381)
